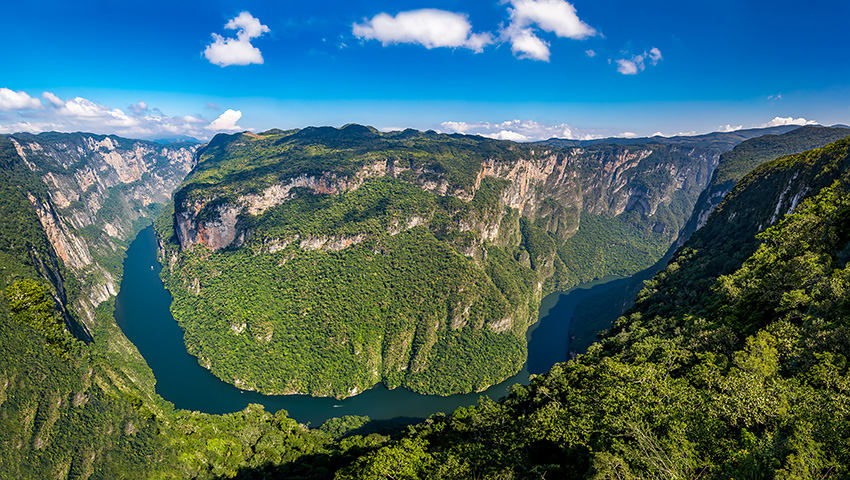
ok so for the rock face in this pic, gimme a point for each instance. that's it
(607, 181)
(99, 192)
(748, 155)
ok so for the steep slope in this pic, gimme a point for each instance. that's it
(63, 412)
(95, 193)
(68, 205)
(734, 165)
(598, 313)
(81, 410)
(732, 363)
(326, 260)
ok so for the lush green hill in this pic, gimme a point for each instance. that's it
(75, 410)
(732, 364)
(325, 260)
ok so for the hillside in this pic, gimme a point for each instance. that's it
(91, 195)
(732, 363)
(734, 165)
(597, 314)
(325, 260)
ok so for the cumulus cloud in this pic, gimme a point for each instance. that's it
(590, 53)
(555, 16)
(637, 63)
(729, 128)
(628, 67)
(525, 44)
(237, 51)
(138, 108)
(226, 121)
(428, 27)
(12, 100)
(138, 120)
(517, 130)
(655, 56)
(53, 100)
(434, 28)
(782, 121)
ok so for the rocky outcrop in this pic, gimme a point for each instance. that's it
(98, 190)
(605, 181)
(747, 156)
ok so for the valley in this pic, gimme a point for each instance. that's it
(420, 261)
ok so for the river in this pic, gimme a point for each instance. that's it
(142, 312)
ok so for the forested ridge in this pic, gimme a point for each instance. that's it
(323, 260)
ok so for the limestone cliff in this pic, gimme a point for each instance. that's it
(99, 191)
(748, 155)
(607, 180)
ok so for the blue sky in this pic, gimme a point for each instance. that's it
(517, 69)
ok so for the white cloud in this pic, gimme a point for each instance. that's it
(781, 121)
(637, 63)
(428, 27)
(628, 135)
(628, 67)
(590, 53)
(508, 135)
(729, 128)
(518, 130)
(778, 96)
(525, 44)
(139, 120)
(237, 51)
(53, 100)
(555, 16)
(247, 26)
(434, 28)
(138, 108)
(226, 121)
(655, 56)
(12, 100)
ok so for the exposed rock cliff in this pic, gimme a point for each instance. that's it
(606, 180)
(99, 191)
(748, 155)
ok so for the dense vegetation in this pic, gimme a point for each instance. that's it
(599, 312)
(402, 307)
(728, 366)
(392, 257)
(732, 364)
(78, 410)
